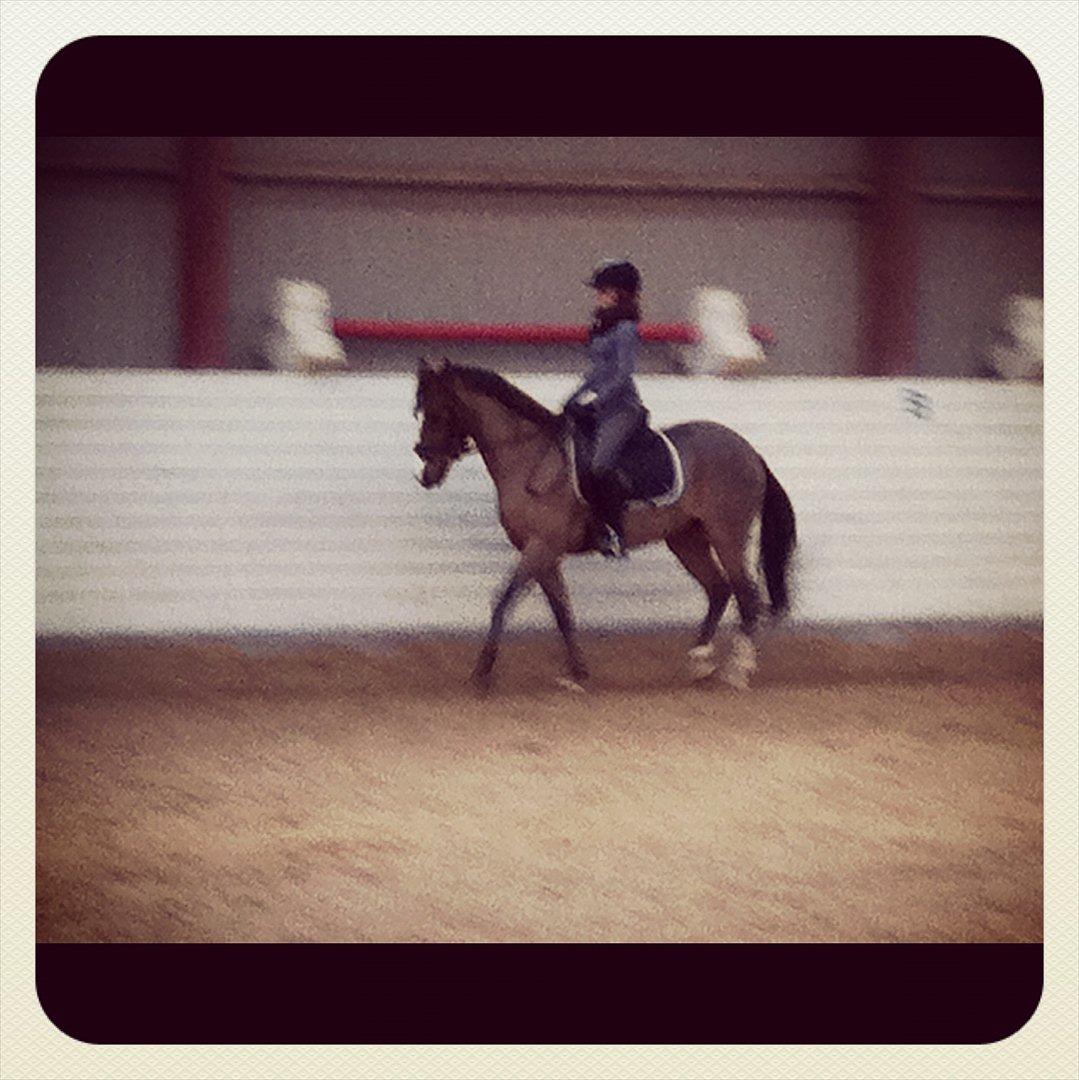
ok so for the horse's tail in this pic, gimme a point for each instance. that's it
(778, 537)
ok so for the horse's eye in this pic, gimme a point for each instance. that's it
(421, 451)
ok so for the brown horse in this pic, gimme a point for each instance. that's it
(727, 489)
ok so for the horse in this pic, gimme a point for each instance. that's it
(728, 490)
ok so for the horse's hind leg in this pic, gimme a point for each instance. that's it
(554, 588)
(733, 547)
(693, 550)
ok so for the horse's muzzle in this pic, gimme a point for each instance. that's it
(433, 472)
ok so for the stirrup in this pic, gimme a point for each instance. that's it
(612, 546)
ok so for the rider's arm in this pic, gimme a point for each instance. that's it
(607, 381)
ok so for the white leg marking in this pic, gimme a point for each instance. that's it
(569, 684)
(742, 662)
(751, 558)
(718, 563)
(700, 661)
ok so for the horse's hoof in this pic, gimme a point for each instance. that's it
(567, 682)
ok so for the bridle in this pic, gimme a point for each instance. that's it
(465, 445)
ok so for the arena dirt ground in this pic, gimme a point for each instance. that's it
(860, 791)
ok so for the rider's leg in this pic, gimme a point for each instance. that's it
(609, 498)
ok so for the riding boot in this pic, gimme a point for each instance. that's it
(610, 505)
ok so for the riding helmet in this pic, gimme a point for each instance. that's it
(616, 274)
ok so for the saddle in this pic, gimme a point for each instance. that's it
(648, 469)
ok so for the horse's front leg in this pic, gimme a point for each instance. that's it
(554, 588)
(534, 560)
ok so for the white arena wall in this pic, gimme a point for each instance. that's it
(256, 502)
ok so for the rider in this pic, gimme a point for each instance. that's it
(609, 392)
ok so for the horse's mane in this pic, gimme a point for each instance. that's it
(493, 385)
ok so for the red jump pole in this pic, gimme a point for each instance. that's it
(506, 333)
(510, 333)
(203, 227)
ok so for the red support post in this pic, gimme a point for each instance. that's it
(889, 312)
(203, 226)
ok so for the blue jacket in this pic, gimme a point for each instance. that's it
(614, 360)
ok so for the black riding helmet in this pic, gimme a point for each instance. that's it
(616, 274)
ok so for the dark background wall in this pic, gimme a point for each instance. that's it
(503, 230)
(106, 271)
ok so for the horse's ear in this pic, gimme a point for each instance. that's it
(432, 367)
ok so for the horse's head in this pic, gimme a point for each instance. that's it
(443, 438)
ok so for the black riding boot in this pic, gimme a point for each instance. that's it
(610, 504)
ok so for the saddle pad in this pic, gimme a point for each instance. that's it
(649, 465)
